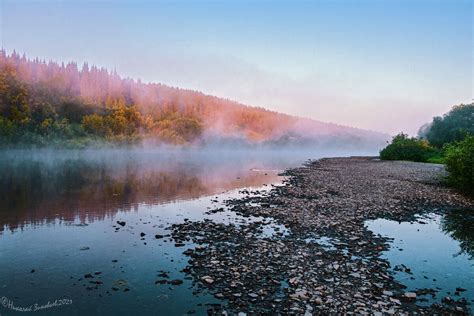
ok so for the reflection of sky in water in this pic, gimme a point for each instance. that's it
(53, 251)
(45, 197)
(65, 201)
(435, 259)
(38, 187)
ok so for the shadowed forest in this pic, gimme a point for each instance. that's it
(47, 103)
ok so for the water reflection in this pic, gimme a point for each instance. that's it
(432, 256)
(43, 186)
(459, 225)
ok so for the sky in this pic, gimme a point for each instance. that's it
(387, 65)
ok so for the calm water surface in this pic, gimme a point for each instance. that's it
(59, 213)
(437, 249)
(58, 224)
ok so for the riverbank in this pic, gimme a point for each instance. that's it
(325, 259)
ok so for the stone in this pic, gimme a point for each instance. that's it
(207, 279)
(176, 282)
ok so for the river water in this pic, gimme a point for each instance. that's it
(63, 250)
(59, 237)
(432, 255)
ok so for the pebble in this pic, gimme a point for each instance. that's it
(326, 258)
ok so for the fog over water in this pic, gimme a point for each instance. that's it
(42, 185)
(61, 207)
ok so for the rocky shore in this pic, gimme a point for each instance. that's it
(323, 259)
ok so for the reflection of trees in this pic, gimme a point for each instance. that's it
(460, 226)
(37, 191)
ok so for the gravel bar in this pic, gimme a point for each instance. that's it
(322, 260)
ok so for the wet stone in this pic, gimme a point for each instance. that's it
(326, 261)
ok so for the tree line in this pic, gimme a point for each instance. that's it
(46, 102)
(448, 139)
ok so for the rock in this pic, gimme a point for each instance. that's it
(163, 275)
(188, 252)
(300, 294)
(161, 281)
(207, 279)
(96, 282)
(142, 234)
(121, 223)
(120, 282)
(176, 282)
(331, 262)
(159, 236)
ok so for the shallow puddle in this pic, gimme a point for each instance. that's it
(435, 252)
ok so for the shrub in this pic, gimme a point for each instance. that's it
(460, 164)
(403, 147)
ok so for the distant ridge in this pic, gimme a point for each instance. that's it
(90, 96)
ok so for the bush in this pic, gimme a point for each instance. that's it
(403, 147)
(460, 164)
(437, 157)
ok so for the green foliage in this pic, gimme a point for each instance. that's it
(120, 121)
(403, 147)
(453, 126)
(178, 129)
(437, 157)
(460, 164)
(7, 128)
(74, 110)
(13, 97)
(37, 115)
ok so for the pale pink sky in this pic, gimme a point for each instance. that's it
(383, 65)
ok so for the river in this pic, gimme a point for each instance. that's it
(78, 228)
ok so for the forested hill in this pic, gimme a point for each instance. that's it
(47, 102)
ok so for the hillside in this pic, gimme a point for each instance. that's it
(43, 102)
